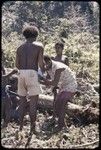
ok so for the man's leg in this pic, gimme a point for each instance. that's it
(2, 108)
(7, 111)
(54, 105)
(61, 114)
(22, 110)
(65, 97)
(57, 105)
(33, 111)
(56, 109)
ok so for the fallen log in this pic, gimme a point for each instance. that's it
(84, 113)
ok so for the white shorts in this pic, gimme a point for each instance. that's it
(28, 83)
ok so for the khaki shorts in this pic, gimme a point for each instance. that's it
(28, 83)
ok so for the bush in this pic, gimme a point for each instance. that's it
(9, 47)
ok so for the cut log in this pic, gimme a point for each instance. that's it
(87, 113)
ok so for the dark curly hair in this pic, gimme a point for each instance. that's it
(30, 32)
(61, 44)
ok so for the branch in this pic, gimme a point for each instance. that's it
(86, 144)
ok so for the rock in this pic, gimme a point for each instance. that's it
(96, 87)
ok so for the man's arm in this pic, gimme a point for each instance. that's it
(11, 73)
(41, 60)
(17, 60)
(55, 81)
(66, 61)
(48, 76)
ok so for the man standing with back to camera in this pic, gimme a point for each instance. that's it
(28, 56)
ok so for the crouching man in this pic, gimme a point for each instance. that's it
(63, 78)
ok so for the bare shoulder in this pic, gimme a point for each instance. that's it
(20, 47)
(39, 44)
(64, 56)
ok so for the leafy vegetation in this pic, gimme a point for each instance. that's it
(76, 23)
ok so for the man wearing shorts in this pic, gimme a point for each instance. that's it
(28, 56)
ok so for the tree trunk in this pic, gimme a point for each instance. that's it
(87, 113)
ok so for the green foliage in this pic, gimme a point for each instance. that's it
(76, 23)
(9, 48)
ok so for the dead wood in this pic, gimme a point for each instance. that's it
(87, 112)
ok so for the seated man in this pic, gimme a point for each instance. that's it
(59, 46)
(63, 78)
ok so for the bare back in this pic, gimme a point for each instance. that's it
(28, 55)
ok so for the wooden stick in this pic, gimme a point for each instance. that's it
(86, 144)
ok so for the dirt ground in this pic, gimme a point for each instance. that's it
(74, 135)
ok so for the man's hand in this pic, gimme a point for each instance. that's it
(40, 77)
(54, 90)
(15, 70)
(7, 88)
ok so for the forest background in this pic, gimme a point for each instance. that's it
(75, 23)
